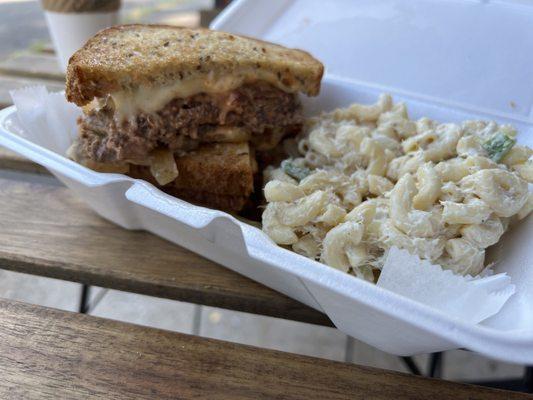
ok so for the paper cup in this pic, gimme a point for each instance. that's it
(71, 24)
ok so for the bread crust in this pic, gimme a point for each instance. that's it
(217, 175)
(128, 56)
(224, 202)
(221, 168)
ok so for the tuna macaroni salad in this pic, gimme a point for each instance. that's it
(366, 178)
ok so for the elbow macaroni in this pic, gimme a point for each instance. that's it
(379, 179)
(429, 187)
(472, 211)
(282, 191)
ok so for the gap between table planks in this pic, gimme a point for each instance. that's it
(46, 230)
(32, 65)
(8, 83)
(12, 161)
(51, 354)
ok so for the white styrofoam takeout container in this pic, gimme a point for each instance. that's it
(449, 60)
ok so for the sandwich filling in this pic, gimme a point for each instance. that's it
(258, 112)
(150, 99)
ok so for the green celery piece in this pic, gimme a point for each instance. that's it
(293, 171)
(498, 146)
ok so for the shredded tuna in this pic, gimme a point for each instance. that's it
(265, 111)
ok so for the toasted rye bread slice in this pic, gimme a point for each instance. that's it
(223, 202)
(222, 168)
(128, 56)
(219, 175)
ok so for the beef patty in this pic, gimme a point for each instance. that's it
(264, 111)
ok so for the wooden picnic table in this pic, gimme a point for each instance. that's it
(49, 353)
(70, 242)
(52, 354)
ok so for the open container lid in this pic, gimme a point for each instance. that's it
(452, 60)
(475, 55)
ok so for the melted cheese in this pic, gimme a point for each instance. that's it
(153, 98)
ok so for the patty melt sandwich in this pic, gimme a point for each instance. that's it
(186, 109)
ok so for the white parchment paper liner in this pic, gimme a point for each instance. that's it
(466, 298)
(40, 111)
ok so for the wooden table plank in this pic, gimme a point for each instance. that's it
(46, 230)
(8, 83)
(53, 354)
(33, 65)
